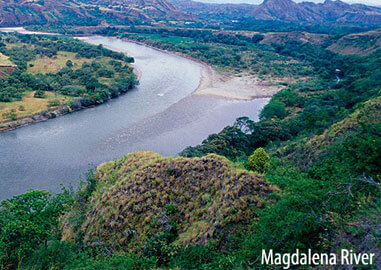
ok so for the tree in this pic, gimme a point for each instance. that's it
(259, 160)
(273, 109)
(257, 38)
(39, 94)
(69, 63)
(27, 221)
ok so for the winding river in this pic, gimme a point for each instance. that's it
(160, 115)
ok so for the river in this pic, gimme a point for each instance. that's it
(159, 115)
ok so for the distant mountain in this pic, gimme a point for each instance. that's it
(124, 12)
(207, 11)
(87, 12)
(288, 11)
(284, 10)
(340, 12)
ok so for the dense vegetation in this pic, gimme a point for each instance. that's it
(315, 154)
(103, 74)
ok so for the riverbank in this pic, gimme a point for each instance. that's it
(35, 118)
(31, 109)
(227, 86)
(242, 87)
(137, 71)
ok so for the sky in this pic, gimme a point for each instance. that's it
(367, 2)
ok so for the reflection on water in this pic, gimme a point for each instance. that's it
(159, 115)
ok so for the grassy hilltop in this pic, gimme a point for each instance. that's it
(144, 195)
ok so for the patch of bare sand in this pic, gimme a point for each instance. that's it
(243, 87)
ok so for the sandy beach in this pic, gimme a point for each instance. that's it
(244, 87)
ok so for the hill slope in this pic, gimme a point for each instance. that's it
(144, 194)
(86, 12)
(330, 11)
(327, 12)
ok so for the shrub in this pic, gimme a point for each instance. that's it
(69, 63)
(275, 108)
(54, 103)
(39, 94)
(12, 115)
(259, 160)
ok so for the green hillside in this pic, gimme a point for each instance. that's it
(145, 195)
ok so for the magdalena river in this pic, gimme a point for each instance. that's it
(160, 115)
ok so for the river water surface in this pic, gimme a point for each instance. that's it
(160, 115)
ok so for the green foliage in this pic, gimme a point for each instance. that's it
(160, 248)
(259, 160)
(39, 94)
(195, 257)
(230, 142)
(27, 221)
(69, 63)
(65, 255)
(10, 114)
(115, 262)
(83, 82)
(257, 38)
(273, 109)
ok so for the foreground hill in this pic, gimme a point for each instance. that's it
(144, 195)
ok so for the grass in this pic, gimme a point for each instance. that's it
(54, 64)
(29, 105)
(4, 61)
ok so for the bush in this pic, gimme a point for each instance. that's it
(195, 257)
(26, 222)
(39, 94)
(275, 108)
(69, 63)
(257, 38)
(12, 115)
(259, 160)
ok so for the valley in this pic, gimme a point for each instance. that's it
(160, 107)
(200, 135)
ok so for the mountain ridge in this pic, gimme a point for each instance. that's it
(329, 11)
(87, 12)
(180, 12)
